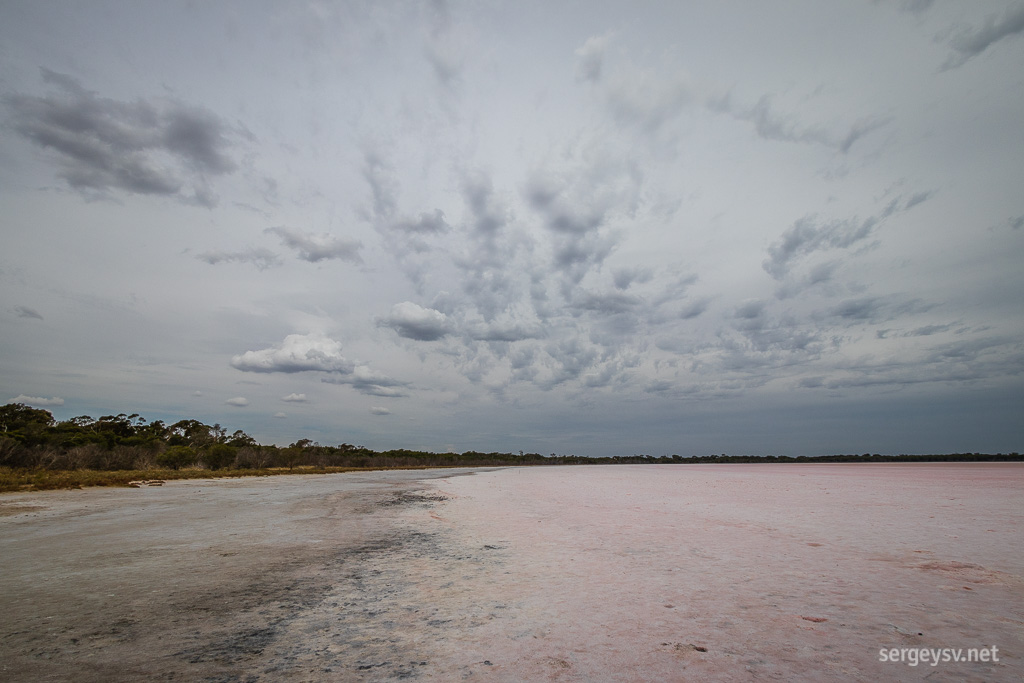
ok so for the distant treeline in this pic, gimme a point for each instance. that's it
(32, 438)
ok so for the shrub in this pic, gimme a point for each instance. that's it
(219, 456)
(176, 457)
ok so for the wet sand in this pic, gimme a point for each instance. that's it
(625, 573)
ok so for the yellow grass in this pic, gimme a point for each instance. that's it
(21, 479)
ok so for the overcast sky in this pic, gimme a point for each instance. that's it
(788, 227)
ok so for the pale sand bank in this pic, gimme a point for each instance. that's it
(780, 572)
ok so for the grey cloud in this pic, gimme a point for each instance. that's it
(313, 248)
(970, 43)
(694, 309)
(490, 214)
(443, 50)
(297, 353)
(609, 303)
(808, 234)
(26, 312)
(427, 224)
(368, 382)
(590, 58)
(548, 195)
(294, 398)
(259, 257)
(571, 358)
(159, 147)
(512, 332)
(859, 309)
(624, 277)
(1016, 223)
(383, 186)
(412, 321)
(772, 125)
(379, 410)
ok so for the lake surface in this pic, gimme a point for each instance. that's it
(730, 572)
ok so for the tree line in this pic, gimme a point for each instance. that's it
(32, 438)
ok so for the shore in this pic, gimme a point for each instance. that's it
(622, 573)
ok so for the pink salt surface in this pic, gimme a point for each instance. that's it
(797, 572)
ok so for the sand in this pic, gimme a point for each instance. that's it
(625, 573)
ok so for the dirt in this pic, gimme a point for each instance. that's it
(632, 573)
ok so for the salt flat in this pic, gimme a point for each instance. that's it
(611, 573)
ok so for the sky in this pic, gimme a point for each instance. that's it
(591, 228)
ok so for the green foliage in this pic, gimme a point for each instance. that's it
(219, 456)
(176, 457)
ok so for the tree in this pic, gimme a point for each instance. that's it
(18, 416)
(176, 457)
(219, 456)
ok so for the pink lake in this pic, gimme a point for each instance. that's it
(738, 572)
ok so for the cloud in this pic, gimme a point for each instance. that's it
(808, 235)
(159, 147)
(37, 400)
(237, 401)
(280, 416)
(971, 43)
(693, 309)
(427, 224)
(624, 277)
(490, 213)
(590, 58)
(379, 410)
(770, 124)
(366, 381)
(297, 353)
(259, 257)
(415, 322)
(26, 312)
(294, 398)
(313, 248)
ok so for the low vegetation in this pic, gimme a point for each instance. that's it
(39, 452)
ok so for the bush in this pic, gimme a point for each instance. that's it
(219, 456)
(176, 457)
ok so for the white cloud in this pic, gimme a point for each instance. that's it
(294, 398)
(237, 401)
(379, 410)
(297, 353)
(37, 400)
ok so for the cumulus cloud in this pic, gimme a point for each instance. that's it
(237, 401)
(297, 353)
(312, 247)
(970, 43)
(26, 312)
(39, 401)
(294, 398)
(412, 321)
(156, 147)
(280, 416)
(257, 256)
(379, 410)
(367, 381)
